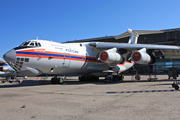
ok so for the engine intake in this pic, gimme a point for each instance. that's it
(142, 57)
(110, 56)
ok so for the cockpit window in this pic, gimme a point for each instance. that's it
(25, 43)
(39, 44)
(36, 44)
(31, 43)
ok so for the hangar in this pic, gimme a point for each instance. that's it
(169, 37)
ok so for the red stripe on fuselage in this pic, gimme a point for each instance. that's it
(58, 53)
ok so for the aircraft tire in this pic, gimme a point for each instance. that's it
(173, 85)
(57, 80)
(96, 78)
(53, 81)
(176, 87)
(82, 78)
(116, 78)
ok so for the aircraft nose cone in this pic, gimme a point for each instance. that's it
(10, 56)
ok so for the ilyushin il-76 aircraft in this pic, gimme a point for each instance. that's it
(6, 70)
(88, 59)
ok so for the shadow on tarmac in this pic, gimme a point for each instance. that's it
(25, 83)
(145, 91)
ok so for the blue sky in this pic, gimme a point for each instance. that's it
(65, 20)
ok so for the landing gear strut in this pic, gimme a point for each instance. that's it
(56, 80)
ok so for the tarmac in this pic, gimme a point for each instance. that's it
(37, 99)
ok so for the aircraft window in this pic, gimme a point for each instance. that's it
(36, 44)
(26, 59)
(22, 44)
(26, 43)
(18, 58)
(32, 44)
(16, 66)
(39, 44)
(22, 59)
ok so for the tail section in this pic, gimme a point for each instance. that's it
(134, 34)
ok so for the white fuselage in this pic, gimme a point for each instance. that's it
(56, 58)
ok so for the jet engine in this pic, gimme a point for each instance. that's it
(110, 56)
(6, 68)
(142, 57)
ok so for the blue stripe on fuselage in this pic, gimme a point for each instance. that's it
(56, 55)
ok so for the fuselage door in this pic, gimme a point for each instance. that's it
(67, 60)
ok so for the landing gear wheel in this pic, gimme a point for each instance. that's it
(176, 87)
(61, 80)
(53, 81)
(57, 81)
(81, 78)
(173, 85)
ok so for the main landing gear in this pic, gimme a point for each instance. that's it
(88, 78)
(56, 80)
(114, 78)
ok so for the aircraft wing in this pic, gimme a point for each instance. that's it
(140, 53)
(106, 45)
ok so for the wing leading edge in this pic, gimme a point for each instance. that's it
(127, 46)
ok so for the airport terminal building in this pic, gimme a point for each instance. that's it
(169, 37)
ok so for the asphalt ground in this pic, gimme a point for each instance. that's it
(37, 99)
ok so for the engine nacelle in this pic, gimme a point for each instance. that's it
(110, 56)
(141, 57)
(6, 68)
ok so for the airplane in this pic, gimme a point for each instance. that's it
(5, 67)
(6, 71)
(89, 59)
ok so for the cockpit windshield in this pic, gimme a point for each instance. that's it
(25, 43)
(31, 43)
